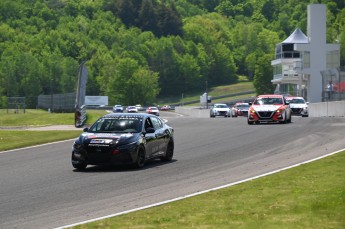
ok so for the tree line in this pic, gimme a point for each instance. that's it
(139, 50)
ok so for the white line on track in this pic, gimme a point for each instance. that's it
(35, 146)
(198, 193)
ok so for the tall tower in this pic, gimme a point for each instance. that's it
(316, 51)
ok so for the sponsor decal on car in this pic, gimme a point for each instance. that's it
(101, 141)
(103, 135)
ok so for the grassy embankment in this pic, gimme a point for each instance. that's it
(214, 92)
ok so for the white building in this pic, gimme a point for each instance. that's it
(300, 58)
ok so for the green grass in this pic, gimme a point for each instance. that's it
(12, 139)
(37, 117)
(307, 197)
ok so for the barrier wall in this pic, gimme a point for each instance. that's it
(327, 109)
(193, 111)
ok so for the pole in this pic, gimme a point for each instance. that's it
(206, 95)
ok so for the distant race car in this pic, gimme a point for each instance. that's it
(153, 110)
(118, 109)
(132, 109)
(298, 106)
(241, 109)
(269, 108)
(166, 108)
(220, 109)
(129, 139)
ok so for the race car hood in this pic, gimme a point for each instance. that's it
(107, 139)
(300, 105)
(221, 109)
(260, 108)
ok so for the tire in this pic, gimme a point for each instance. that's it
(77, 164)
(169, 152)
(140, 161)
(250, 122)
(285, 120)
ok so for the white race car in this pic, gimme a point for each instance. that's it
(220, 109)
(298, 106)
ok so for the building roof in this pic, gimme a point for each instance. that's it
(297, 37)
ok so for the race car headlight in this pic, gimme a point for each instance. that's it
(128, 146)
(76, 145)
(252, 111)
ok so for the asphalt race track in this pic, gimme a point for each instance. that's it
(40, 189)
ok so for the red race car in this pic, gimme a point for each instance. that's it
(269, 108)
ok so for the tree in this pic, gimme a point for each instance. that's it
(127, 82)
(147, 17)
(169, 21)
(263, 75)
(223, 69)
(20, 74)
(163, 59)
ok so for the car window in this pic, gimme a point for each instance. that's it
(157, 123)
(148, 123)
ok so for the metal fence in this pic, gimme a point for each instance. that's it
(16, 103)
(57, 102)
(333, 84)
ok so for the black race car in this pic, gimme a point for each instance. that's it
(127, 138)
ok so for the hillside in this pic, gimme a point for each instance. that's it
(139, 50)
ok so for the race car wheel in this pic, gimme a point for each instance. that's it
(77, 164)
(140, 161)
(169, 152)
(250, 122)
(285, 119)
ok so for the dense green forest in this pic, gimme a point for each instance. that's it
(138, 50)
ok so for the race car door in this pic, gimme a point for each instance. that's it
(160, 134)
(151, 139)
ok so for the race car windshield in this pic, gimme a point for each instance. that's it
(221, 106)
(118, 125)
(268, 101)
(300, 101)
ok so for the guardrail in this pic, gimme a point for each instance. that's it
(80, 116)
